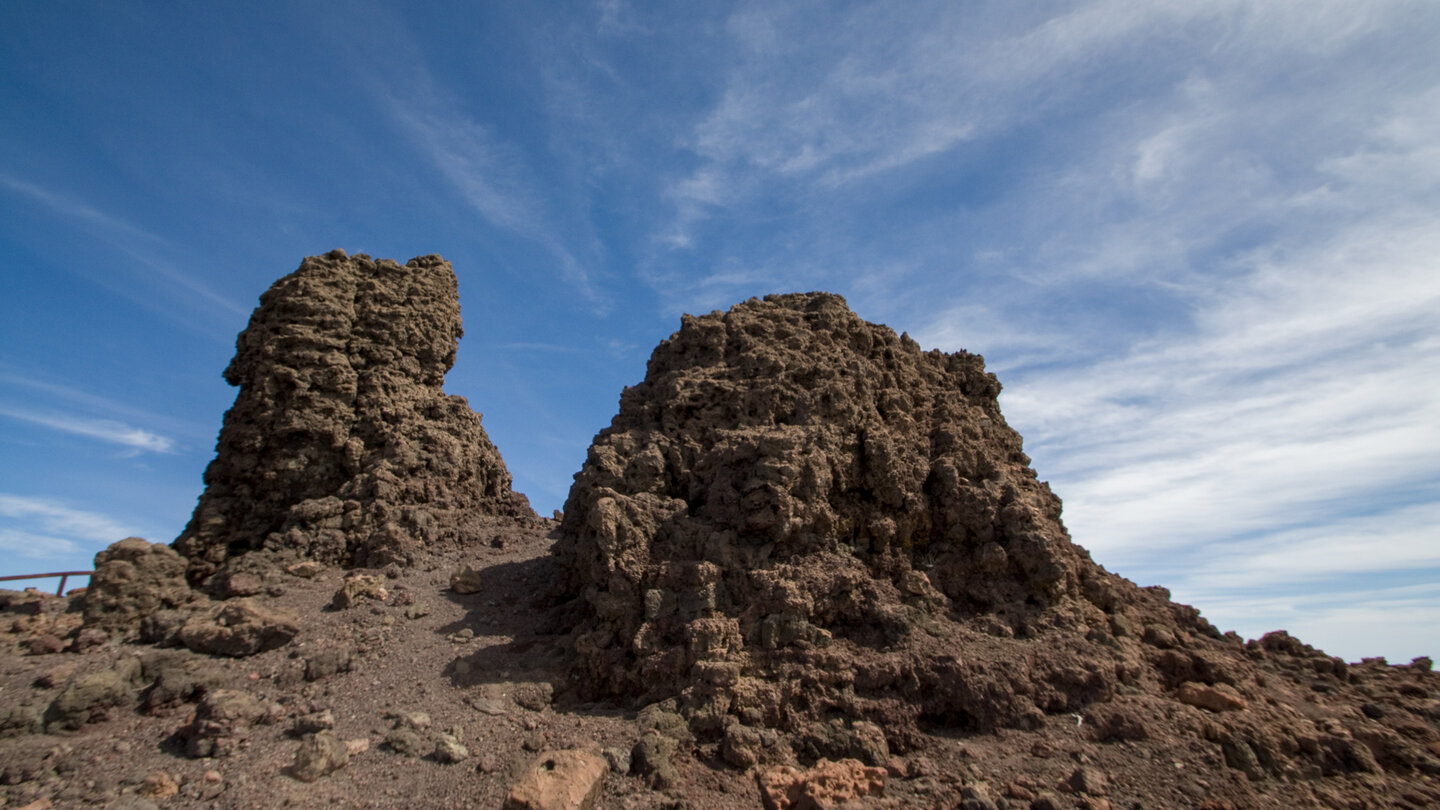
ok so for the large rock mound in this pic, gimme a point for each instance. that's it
(341, 445)
(799, 522)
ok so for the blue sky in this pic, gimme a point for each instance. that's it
(1196, 241)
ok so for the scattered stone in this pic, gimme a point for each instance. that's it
(406, 741)
(533, 696)
(559, 780)
(357, 746)
(465, 581)
(222, 718)
(357, 587)
(239, 628)
(18, 721)
(319, 755)
(419, 721)
(1047, 801)
(312, 723)
(828, 784)
(328, 662)
(304, 570)
(417, 611)
(618, 758)
(448, 749)
(1088, 780)
(176, 678)
(88, 639)
(45, 644)
(158, 785)
(1218, 698)
(1160, 636)
(133, 579)
(341, 446)
(90, 698)
(485, 705)
(57, 676)
(651, 758)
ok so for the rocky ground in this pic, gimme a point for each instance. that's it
(442, 698)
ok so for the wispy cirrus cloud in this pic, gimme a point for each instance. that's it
(105, 430)
(44, 516)
(144, 248)
(1211, 289)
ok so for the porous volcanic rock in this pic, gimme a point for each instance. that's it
(134, 578)
(341, 445)
(801, 522)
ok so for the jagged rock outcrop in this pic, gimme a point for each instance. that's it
(341, 445)
(791, 483)
(799, 522)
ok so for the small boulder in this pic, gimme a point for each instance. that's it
(465, 581)
(90, 698)
(559, 780)
(449, 750)
(828, 784)
(319, 755)
(238, 629)
(1218, 698)
(357, 587)
(133, 579)
(158, 785)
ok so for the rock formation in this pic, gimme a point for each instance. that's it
(341, 445)
(800, 522)
(133, 579)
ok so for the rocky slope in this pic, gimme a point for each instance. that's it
(341, 445)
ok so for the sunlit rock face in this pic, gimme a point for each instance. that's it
(797, 512)
(341, 445)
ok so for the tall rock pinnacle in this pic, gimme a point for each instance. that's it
(341, 444)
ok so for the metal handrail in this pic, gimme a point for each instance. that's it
(60, 591)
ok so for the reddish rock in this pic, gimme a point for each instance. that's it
(559, 780)
(1219, 698)
(828, 784)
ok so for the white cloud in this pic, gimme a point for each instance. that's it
(43, 517)
(105, 430)
(36, 546)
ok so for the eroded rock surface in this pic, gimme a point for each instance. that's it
(133, 579)
(802, 523)
(341, 445)
(794, 507)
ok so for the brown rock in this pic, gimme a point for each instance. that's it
(133, 579)
(304, 570)
(781, 475)
(318, 756)
(57, 676)
(341, 445)
(466, 580)
(238, 629)
(1088, 780)
(158, 785)
(1218, 698)
(357, 587)
(44, 644)
(559, 780)
(828, 784)
(222, 718)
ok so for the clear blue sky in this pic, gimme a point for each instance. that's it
(1199, 243)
